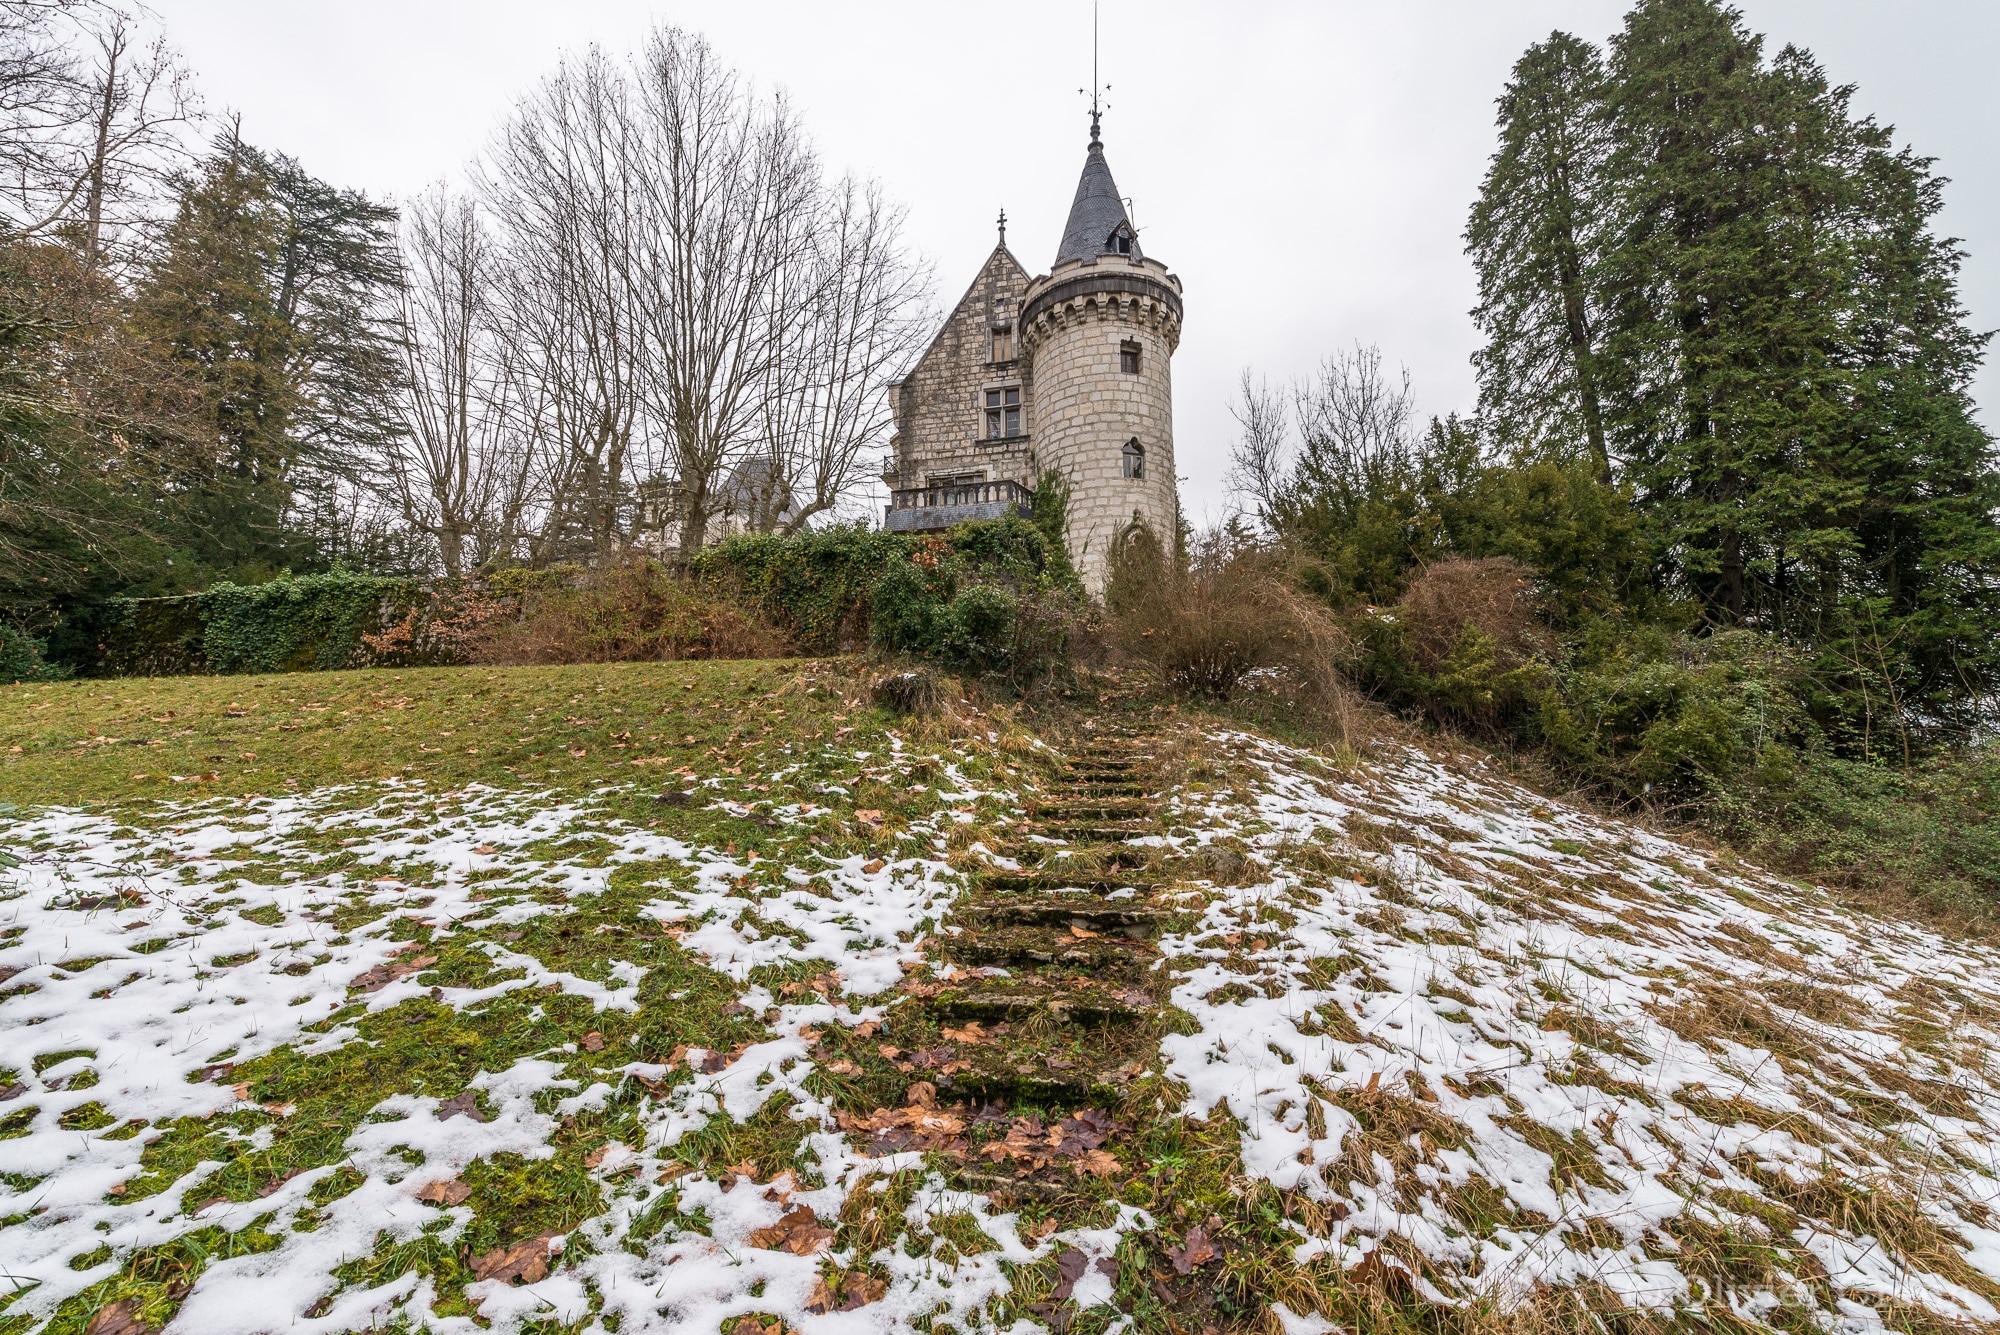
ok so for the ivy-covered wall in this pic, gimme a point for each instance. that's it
(297, 623)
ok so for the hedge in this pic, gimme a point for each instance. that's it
(295, 623)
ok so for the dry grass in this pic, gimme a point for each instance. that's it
(637, 612)
(1493, 596)
(1228, 620)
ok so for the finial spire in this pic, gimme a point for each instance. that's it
(1003, 226)
(1097, 104)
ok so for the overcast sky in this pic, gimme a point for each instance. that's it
(1304, 167)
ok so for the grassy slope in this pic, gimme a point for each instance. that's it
(567, 727)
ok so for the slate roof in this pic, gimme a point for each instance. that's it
(1096, 212)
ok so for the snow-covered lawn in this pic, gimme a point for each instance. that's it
(288, 1065)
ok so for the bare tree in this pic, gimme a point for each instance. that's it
(1259, 456)
(86, 143)
(142, 101)
(562, 181)
(839, 344)
(458, 478)
(731, 190)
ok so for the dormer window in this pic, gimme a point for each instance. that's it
(1003, 343)
(1128, 357)
(1003, 413)
(1135, 460)
(1120, 240)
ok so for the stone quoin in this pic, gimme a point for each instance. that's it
(1067, 374)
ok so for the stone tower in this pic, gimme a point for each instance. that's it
(1099, 332)
(1069, 372)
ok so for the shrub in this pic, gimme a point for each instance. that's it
(636, 612)
(21, 658)
(1231, 614)
(1493, 598)
(300, 623)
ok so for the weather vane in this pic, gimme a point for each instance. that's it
(1095, 90)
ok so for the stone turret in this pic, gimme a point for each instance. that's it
(1099, 332)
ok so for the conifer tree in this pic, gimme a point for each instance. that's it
(272, 288)
(1535, 237)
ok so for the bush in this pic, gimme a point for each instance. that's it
(1231, 614)
(21, 658)
(300, 623)
(636, 612)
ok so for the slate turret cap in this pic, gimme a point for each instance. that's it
(1097, 222)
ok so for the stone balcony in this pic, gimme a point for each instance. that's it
(931, 509)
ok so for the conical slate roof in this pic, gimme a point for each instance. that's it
(1097, 211)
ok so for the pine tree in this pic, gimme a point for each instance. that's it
(1535, 238)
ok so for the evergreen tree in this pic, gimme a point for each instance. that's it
(273, 289)
(1535, 237)
(1703, 266)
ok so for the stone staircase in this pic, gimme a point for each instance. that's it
(1059, 958)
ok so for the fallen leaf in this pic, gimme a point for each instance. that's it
(799, 1233)
(922, 1094)
(465, 1104)
(868, 817)
(972, 1033)
(867, 1029)
(841, 1068)
(526, 1261)
(1070, 1265)
(1195, 1250)
(1097, 1163)
(593, 1042)
(485, 850)
(889, 1051)
(444, 1193)
(1083, 933)
(119, 1318)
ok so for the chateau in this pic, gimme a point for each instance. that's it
(1068, 373)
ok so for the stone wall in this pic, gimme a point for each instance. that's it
(1087, 407)
(940, 406)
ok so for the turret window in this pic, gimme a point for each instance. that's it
(1135, 460)
(1003, 413)
(1120, 240)
(1128, 358)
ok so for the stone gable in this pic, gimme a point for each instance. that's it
(940, 407)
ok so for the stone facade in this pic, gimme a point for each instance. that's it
(941, 429)
(1087, 351)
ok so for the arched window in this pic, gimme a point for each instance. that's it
(1135, 460)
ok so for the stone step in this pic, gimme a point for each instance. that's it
(1012, 1000)
(1096, 833)
(1107, 918)
(1089, 883)
(1042, 945)
(1090, 808)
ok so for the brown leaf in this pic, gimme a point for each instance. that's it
(972, 1033)
(1083, 933)
(872, 866)
(889, 1051)
(867, 1029)
(464, 1104)
(593, 1042)
(1097, 1163)
(1195, 1250)
(841, 1068)
(1375, 1273)
(860, 1289)
(444, 1192)
(868, 817)
(799, 1233)
(922, 1094)
(526, 1261)
(119, 1318)
(1070, 1266)
(821, 1300)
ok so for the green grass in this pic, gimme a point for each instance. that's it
(179, 738)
